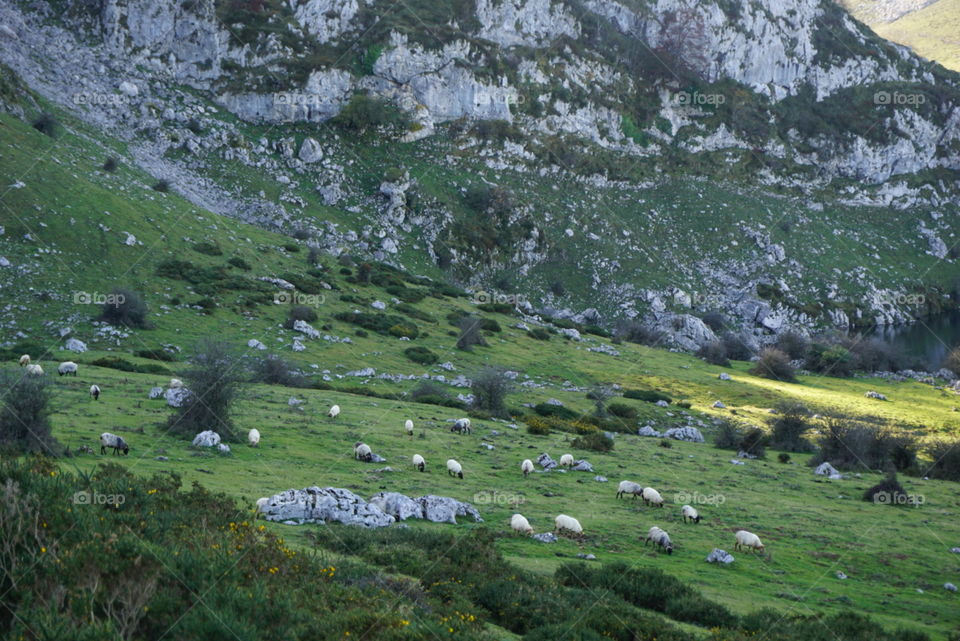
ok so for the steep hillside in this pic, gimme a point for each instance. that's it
(496, 144)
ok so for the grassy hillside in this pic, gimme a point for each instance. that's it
(64, 220)
(930, 30)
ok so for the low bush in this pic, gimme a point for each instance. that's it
(793, 344)
(736, 347)
(622, 410)
(551, 409)
(239, 263)
(537, 426)
(788, 427)
(409, 310)
(714, 353)
(596, 441)
(887, 492)
(209, 249)
(125, 308)
(775, 365)
(156, 354)
(385, 324)
(421, 355)
(25, 418)
(274, 370)
(115, 362)
(650, 396)
(946, 460)
(538, 333)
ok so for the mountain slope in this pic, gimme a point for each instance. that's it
(928, 27)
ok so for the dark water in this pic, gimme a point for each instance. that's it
(928, 340)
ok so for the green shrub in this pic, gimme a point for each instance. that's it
(46, 124)
(421, 355)
(293, 248)
(125, 308)
(550, 409)
(538, 428)
(650, 396)
(384, 324)
(714, 353)
(788, 427)
(411, 311)
(597, 441)
(210, 249)
(25, 418)
(110, 164)
(490, 325)
(163, 186)
(539, 334)
(115, 362)
(156, 354)
(365, 112)
(239, 263)
(622, 410)
(497, 308)
(783, 457)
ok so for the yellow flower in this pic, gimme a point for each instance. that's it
(43, 550)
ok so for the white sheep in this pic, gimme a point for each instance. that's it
(526, 467)
(652, 497)
(454, 468)
(253, 437)
(408, 426)
(66, 368)
(112, 440)
(363, 452)
(175, 383)
(566, 460)
(95, 392)
(629, 487)
(659, 537)
(461, 425)
(748, 540)
(24, 360)
(334, 411)
(690, 513)
(520, 524)
(34, 370)
(419, 463)
(568, 523)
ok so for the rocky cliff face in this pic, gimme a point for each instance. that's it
(482, 67)
(800, 91)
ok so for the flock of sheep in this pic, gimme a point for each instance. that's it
(564, 523)
(518, 522)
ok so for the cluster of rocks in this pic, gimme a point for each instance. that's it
(209, 438)
(330, 504)
(579, 465)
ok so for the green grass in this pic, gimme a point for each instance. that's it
(811, 527)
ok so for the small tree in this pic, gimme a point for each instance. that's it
(789, 426)
(490, 387)
(793, 344)
(470, 333)
(952, 361)
(214, 379)
(25, 413)
(714, 353)
(125, 308)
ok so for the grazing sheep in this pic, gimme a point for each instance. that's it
(748, 540)
(334, 411)
(363, 452)
(462, 426)
(520, 524)
(112, 440)
(454, 468)
(175, 383)
(629, 487)
(24, 360)
(690, 513)
(652, 497)
(659, 537)
(566, 460)
(34, 370)
(526, 467)
(253, 437)
(409, 427)
(95, 392)
(419, 463)
(66, 368)
(568, 523)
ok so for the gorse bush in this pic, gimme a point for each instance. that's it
(275, 370)
(596, 441)
(490, 387)
(650, 396)
(421, 355)
(775, 365)
(714, 353)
